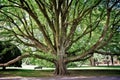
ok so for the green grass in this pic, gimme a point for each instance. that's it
(27, 73)
(82, 71)
(100, 68)
(96, 72)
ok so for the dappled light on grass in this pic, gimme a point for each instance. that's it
(96, 68)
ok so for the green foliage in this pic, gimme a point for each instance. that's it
(39, 62)
(8, 52)
(114, 44)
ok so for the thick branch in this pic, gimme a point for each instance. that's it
(44, 11)
(24, 56)
(107, 41)
(15, 60)
(41, 27)
(107, 53)
(96, 45)
(76, 21)
(82, 58)
(24, 5)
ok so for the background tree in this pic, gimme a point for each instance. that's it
(113, 46)
(9, 52)
(62, 31)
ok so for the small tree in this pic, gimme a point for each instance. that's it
(63, 31)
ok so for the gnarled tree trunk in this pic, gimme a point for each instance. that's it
(60, 65)
(60, 68)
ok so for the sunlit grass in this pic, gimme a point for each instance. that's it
(101, 67)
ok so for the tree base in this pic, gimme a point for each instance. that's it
(61, 73)
(3, 68)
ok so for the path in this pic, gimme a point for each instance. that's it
(64, 78)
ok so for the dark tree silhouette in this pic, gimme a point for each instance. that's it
(9, 52)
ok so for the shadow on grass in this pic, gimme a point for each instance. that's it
(95, 72)
(49, 73)
(26, 73)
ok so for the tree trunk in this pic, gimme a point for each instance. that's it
(92, 61)
(112, 61)
(3, 68)
(60, 65)
(60, 68)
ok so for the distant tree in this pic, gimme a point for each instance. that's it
(112, 48)
(9, 52)
(62, 31)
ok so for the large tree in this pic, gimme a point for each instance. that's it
(64, 30)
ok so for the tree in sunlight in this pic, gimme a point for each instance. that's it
(60, 31)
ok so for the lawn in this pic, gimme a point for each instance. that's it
(26, 73)
(83, 71)
(97, 68)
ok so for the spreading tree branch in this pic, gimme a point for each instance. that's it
(25, 56)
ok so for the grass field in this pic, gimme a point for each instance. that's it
(26, 73)
(83, 71)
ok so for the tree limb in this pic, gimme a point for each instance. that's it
(15, 60)
(106, 53)
(25, 56)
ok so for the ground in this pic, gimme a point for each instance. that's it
(82, 73)
(64, 78)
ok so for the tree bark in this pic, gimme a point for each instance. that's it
(60, 65)
(112, 61)
(3, 68)
(60, 68)
(92, 61)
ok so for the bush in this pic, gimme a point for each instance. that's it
(8, 52)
